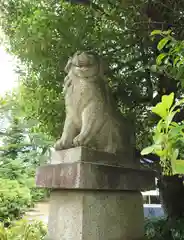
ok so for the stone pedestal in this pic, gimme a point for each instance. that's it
(95, 196)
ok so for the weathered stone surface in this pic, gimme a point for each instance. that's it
(95, 195)
(95, 215)
(92, 117)
(83, 168)
(83, 154)
(85, 175)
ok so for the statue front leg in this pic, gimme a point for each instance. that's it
(69, 133)
(91, 124)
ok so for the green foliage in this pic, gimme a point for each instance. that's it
(168, 136)
(24, 173)
(23, 230)
(21, 150)
(171, 57)
(14, 140)
(20, 135)
(161, 229)
(14, 199)
(38, 194)
(178, 166)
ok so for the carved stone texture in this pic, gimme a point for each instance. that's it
(92, 118)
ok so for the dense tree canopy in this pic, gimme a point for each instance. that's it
(44, 34)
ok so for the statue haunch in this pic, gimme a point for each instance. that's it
(91, 116)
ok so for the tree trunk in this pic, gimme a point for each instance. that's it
(172, 196)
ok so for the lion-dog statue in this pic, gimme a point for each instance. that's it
(92, 118)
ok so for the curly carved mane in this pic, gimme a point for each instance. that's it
(90, 68)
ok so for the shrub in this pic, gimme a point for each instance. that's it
(14, 199)
(23, 230)
(37, 194)
(161, 229)
(24, 174)
(13, 169)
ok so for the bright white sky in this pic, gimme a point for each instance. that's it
(7, 75)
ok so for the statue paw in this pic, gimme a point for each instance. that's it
(58, 145)
(78, 141)
(61, 144)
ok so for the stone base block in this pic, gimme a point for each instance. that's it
(95, 196)
(90, 169)
(95, 215)
(93, 176)
(83, 154)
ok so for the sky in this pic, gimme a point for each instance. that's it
(7, 75)
(8, 78)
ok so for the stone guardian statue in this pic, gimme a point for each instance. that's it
(92, 119)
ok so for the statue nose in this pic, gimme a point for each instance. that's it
(83, 58)
(78, 52)
(82, 54)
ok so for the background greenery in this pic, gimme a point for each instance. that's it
(20, 155)
(161, 229)
(23, 230)
(42, 35)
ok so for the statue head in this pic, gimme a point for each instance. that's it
(85, 64)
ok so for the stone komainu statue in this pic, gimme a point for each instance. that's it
(92, 118)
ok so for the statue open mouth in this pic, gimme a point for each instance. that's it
(83, 59)
(82, 65)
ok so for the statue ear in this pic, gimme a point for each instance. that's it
(68, 65)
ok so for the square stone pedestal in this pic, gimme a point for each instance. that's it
(92, 215)
(94, 198)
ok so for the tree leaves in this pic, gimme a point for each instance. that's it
(163, 43)
(163, 107)
(178, 166)
(148, 150)
(155, 32)
(168, 139)
(160, 58)
(171, 57)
